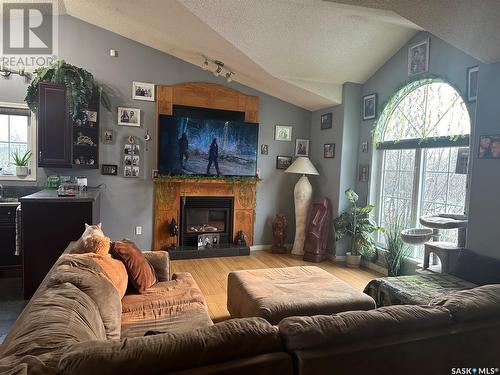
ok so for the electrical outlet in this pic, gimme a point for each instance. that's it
(138, 230)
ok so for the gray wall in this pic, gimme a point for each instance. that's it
(484, 204)
(127, 203)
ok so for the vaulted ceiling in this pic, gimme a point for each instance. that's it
(301, 51)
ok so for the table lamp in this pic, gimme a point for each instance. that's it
(302, 195)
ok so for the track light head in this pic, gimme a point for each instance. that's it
(205, 65)
(228, 76)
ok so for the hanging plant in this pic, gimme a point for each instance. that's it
(80, 85)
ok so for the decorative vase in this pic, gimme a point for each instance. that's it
(302, 195)
(352, 261)
(22, 171)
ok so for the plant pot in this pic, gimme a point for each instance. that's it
(352, 261)
(22, 171)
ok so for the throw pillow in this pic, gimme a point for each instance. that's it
(141, 274)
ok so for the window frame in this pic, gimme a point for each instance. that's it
(31, 144)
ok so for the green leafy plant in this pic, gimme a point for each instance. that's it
(355, 223)
(21, 160)
(80, 85)
(397, 250)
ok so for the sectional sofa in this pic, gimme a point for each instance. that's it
(78, 323)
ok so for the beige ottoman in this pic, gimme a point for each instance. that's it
(276, 293)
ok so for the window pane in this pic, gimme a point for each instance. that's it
(4, 128)
(19, 129)
(5, 159)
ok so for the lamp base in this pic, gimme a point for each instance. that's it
(302, 195)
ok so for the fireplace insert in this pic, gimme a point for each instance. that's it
(206, 215)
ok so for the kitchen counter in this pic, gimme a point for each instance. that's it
(50, 195)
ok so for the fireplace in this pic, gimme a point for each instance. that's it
(206, 215)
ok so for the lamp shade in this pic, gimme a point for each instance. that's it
(302, 165)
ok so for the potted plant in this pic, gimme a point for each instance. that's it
(396, 250)
(21, 162)
(356, 224)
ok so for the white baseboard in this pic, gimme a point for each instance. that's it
(260, 247)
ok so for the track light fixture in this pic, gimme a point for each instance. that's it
(217, 68)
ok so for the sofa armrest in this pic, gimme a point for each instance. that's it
(160, 262)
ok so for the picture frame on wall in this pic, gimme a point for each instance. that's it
(326, 121)
(264, 149)
(283, 133)
(283, 162)
(364, 147)
(108, 136)
(329, 150)
(143, 91)
(489, 146)
(363, 174)
(418, 57)
(109, 169)
(301, 147)
(472, 83)
(369, 107)
(129, 116)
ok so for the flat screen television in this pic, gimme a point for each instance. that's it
(196, 146)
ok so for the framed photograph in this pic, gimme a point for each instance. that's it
(326, 121)
(363, 173)
(472, 76)
(283, 133)
(301, 147)
(364, 147)
(264, 149)
(207, 240)
(143, 91)
(489, 147)
(91, 116)
(107, 136)
(370, 107)
(283, 162)
(418, 58)
(129, 116)
(329, 150)
(109, 169)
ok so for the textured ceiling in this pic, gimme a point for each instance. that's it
(301, 51)
(470, 25)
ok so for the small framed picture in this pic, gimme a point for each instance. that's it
(363, 173)
(283, 162)
(264, 149)
(329, 150)
(107, 136)
(91, 116)
(301, 147)
(364, 147)
(418, 57)
(326, 121)
(489, 147)
(129, 116)
(283, 133)
(472, 77)
(143, 91)
(109, 169)
(370, 107)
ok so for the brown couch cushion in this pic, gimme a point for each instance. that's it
(61, 316)
(97, 286)
(326, 330)
(476, 268)
(160, 262)
(168, 306)
(168, 352)
(478, 303)
(140, 273)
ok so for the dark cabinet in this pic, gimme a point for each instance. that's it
(8, 258)
(54, 130)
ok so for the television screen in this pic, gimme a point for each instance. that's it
(207, 147)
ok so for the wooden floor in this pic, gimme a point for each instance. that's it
(211, 274)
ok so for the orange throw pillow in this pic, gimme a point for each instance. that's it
(140, 272)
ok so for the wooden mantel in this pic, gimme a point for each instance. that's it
(168, 192)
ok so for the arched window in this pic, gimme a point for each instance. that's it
(423, 136)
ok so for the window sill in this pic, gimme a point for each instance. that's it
(19, 179)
